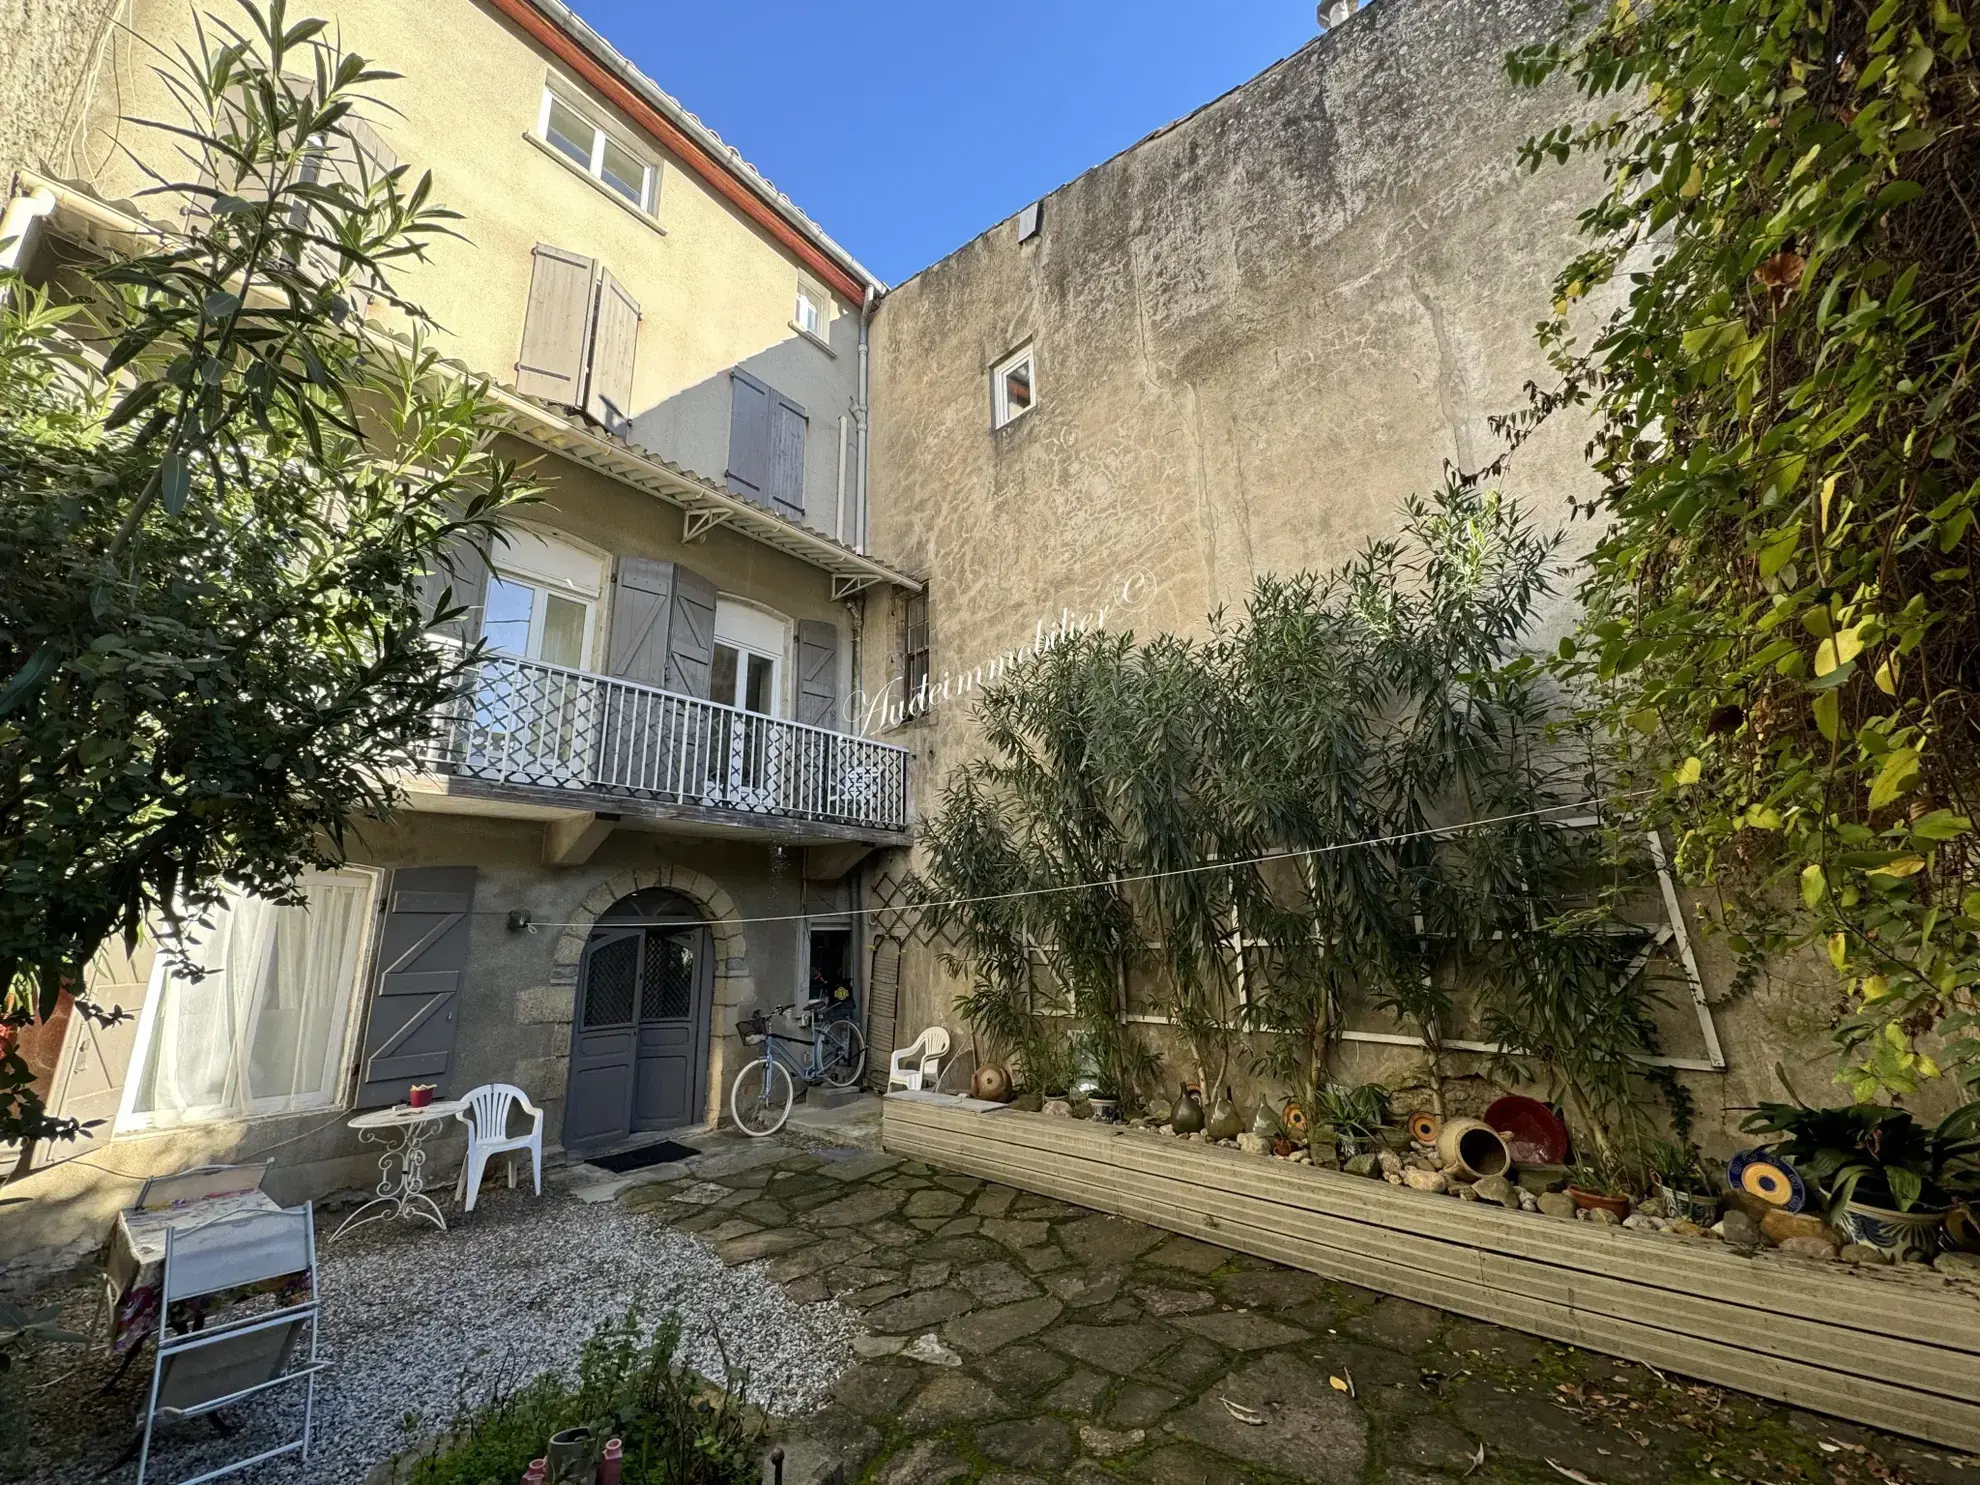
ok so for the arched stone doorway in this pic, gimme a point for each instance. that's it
(640, 1026)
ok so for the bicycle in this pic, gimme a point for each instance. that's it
(760, 1098)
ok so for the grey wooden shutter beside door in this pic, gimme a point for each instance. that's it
(749, 436)
(818, 673)
(464, 571)
(788, 426)
(614, 337)
(422, 972)
(691, 634)
(642, 609)
(556, 326)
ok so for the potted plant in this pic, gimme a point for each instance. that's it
(1356, 1114)
(1598, 1189)
(1106, 1106)
(1888, 1179)
(1679, 1179)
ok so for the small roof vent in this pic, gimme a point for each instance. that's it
(1030, 220)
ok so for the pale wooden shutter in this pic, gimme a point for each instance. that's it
(422, 970)
(464, 571)
(787, 430)
(89, 1081)
(883, 996)
(555, 326)
(749, 437)
(691, 634)
(818, 673)
(642, 608)
(614, 336)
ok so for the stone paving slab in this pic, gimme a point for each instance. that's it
(1020, 1341)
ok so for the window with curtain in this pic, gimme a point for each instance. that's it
(261, 1024)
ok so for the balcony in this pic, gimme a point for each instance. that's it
(540, 734)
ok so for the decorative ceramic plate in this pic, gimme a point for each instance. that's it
(1423, 1127)
(1764, 1174)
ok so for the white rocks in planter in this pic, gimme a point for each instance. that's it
(1254, 1144)
(1432, 1181)
(1390, 1162)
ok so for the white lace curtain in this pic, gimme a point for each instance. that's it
(264, 1027)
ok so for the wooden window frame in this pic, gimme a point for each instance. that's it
(916, 657)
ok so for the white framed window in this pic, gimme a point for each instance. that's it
(814, 314)
(1013, 386)
(265, 1024)
(748, 664)
(610, 161)
(543, 599)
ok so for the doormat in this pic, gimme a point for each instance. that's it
(641, 1158)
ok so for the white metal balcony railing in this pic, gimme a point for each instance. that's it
(524, 722)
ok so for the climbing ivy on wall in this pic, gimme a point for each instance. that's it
(1774, 325)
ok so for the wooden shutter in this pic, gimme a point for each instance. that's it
(749, 437)
(555, 327)
(883, 996)
(422, 969)
(614, 335)
(787, 430)
(691, 634)
(89, 1080)
(642, 608)
(818, 673)
(465, 571)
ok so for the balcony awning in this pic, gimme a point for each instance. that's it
(704, 504)
(78, 215)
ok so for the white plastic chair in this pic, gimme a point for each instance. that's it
(195, 1373)
(487, 1118)
(927, 1050)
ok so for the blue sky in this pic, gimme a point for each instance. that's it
(906, 127)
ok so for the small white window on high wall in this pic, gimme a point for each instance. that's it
(814, 314)
(261, 1020)
(542, 600)
(611, 162)
(1013, 386)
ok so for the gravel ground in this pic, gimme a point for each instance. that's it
(416, 1321)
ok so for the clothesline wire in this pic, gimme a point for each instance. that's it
(1300, 853)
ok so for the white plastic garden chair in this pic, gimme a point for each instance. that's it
(927, 1052)
(486, 1114)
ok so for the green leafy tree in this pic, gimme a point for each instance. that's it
(1782, 619)
(218, 496)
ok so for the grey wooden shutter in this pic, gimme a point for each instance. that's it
(614, 336)
(89, 1080)
(882, 1011)
(422, 970)
(555, 327)
(465, 571)
(642, 610)
(818, 673)
(691, 634)
(787, 430)
(749, 436)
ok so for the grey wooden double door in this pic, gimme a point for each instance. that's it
(639, 1038)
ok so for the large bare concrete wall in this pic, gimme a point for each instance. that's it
(1257, 331)
(47, 49)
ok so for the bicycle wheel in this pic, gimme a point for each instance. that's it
(760, 1098)
(843, 1054)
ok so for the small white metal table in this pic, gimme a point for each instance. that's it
(400, 1194)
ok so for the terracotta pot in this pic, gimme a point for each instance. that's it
(990, 1083)
(1473, 1149)
(1187, 1116)
(1592, 1201)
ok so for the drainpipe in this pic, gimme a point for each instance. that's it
(860, 411)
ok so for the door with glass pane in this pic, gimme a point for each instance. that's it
(254, 1015)
(746, 673)
(639, 1041)
(532, 722)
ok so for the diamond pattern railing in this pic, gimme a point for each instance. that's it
(523, 722)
